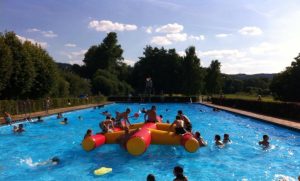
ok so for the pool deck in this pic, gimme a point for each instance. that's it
(52, 111)
(278, 121)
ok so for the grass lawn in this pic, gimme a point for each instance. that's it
(250, 97)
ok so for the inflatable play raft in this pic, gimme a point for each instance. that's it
(149, 133)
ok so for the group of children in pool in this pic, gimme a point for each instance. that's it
(181, 122)
(178, 173)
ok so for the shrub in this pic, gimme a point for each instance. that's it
(277, 109)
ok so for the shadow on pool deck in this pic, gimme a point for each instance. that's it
(281, 122)
(20, 117)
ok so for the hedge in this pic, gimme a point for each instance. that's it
(28, 106)
(154, 98)
(277, 109)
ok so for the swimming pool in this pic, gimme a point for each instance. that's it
(244, 159)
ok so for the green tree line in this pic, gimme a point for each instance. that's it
(28, 71)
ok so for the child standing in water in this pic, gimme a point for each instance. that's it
(226, 139)
(265, 141)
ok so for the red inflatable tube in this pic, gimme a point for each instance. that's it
(99, 140)
(140, 141)
(189, 142)
(185, 138)
(117, 129)
(93, 142)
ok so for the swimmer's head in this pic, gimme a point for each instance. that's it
(197, 134)
(177, 170)
(128, 110)
(55, 160)
(217, 137)
(266, 137)
(89, 131)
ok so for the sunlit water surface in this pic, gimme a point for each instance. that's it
(244, 159)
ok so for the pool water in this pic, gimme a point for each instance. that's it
(244, 159)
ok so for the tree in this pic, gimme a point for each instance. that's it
(107, 83)
(192, 74)
(162, 66)
(214, 77)
(77, 85)
(27, 70)
(46, 73)
(286, 85)
(6, 61)
(106, 56)
(23, 73)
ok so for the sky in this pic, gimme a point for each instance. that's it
(257, 36)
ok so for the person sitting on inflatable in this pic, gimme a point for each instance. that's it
(107, 125)
(187, 122)
(179, 126)
(122, 140)
(150, 115)
(122, 116)
(88, 133)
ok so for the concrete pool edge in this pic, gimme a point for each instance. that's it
(268, 119)
(20, 117)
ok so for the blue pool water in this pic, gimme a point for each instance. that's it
(244, 159)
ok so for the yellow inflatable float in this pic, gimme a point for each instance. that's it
(147, 133)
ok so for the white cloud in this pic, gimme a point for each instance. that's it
(149, 30)
(263, 48)
(160, 40)
(23, 39)
(181, 53)
(176, 37)
(33, 30)
(222, 35)
(75, 56)
(106, 25)
(72, 62)
(70, 45)
(170, 28)
(129, 62)
(250, 30)
(197, 38)
(48, 34)
(227, 53)
(168, 39)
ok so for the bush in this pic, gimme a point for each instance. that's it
(29, 106)
(143, 98)
(276, 109)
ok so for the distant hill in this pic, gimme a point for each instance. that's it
(251, 76)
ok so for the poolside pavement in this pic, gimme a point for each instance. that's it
(278, 121)
(52, 111)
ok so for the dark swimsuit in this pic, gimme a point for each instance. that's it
(180, 130)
